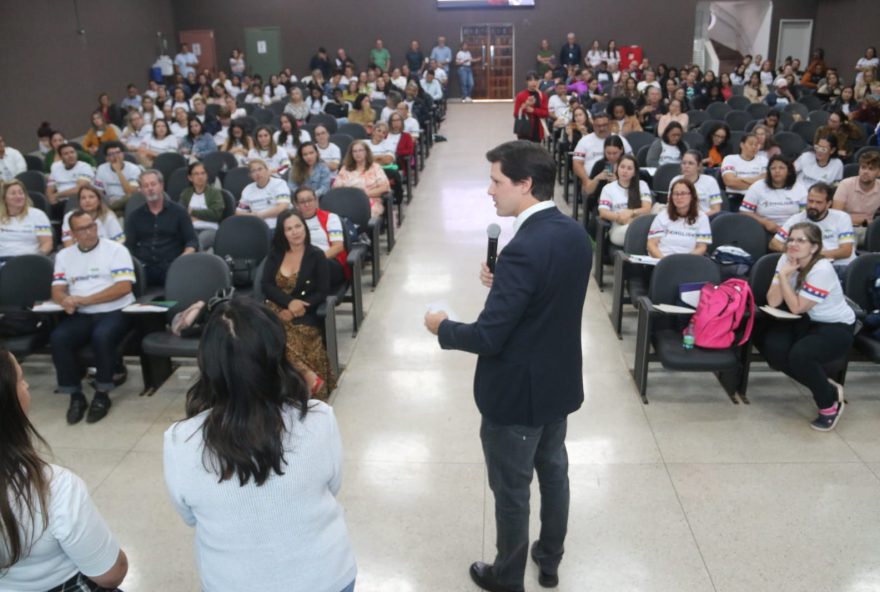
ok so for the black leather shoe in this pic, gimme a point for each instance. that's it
(98, 409)
(547, 580)
(77, 408)
(481, 574)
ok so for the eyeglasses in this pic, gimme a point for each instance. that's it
(797, 241)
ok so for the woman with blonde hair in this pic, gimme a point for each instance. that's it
(24, 229)
(89, 200)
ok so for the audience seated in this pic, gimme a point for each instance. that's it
(602, 173)
(107, 224)
(674, 113)
(859, 196)
(136, 132)
(198, 142)
(24, 229)
(93, 283)
(297, 107)
(161, 140)
(708, 191)
(767, 146)
(11, 162)
(359, 170)
(99, 134)
(821, 164)
(266, 150)
(310, 171)
(847, 133)
(682, 227)
(330, 153)
(741, 171)
(623, 116)
(591, 147)
(116, 177)
(362, 112)
(204, 204)
(669, 148)
(805, 283)
(625, 199)
(56, 140)
(67, 176)
(238, 143)
(159, 231)
(266, 197)
(777, 198)
(53, 536)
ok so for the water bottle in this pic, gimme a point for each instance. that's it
(687, 340)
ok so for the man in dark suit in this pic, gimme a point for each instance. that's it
(529, 375)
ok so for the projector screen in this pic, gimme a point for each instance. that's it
(485, 3)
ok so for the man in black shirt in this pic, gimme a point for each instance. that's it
(159, 231)
(320, 62)
(415, 59)
(570, 54)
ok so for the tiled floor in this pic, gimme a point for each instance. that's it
(689, 493)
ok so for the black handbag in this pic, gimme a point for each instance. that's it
(522, 127)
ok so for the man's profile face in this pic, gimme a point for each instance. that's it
(507, 195)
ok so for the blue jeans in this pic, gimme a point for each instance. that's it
(102, 331)
(466, 80)
(349, 588)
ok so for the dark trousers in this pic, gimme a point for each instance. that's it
(513, 453)
(802, 348)
(103, 331)
(155, 273)
(337, 274)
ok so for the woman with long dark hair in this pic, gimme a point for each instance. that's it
(806, 283)
(777, 198)
(256, 466)
(625, 199)
(308, 170)
(669, 148)
(682, 227)
(51, 534)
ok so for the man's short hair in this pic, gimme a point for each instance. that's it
(155, 172)
(77, 213)
(822, 187)
(64, 146)
(870, 159)
(521, 160)
(601, 115)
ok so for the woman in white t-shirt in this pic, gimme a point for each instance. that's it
(669, 148)
(159, 142)
(611, 54)
(682, 227)
(625, 199)
(806, 283)
(330, 153)
(180, 125)
(238, 143)
(464, 61)
(57, 536)
(595, 55)
(741, 171)
(708, 191)
(265, 149)
(91, 203)
(820, 165)
(24, 229)
(289, 138)
(777, 198)
(870, 61)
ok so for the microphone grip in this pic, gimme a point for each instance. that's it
(492, 254)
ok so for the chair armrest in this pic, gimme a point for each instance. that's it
(356, 254)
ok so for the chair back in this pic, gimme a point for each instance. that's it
(257, 292)
(642, 155)
(324, 119)
(176, 183)
(798, 108)
(674, 270)
(34, 163)
(850, 170)
(695, 140)
(858, 153)
(134, 202)
(263, 116)
(696, 117)
(636, 240)
(349, 202)
(217, 163)
(194, 277)
(718, 110)
(663, 177)
(228, 204)
(740, 231)
(760, 276)
(704, 127)
(872, 237)
(758, 110)
(737, 120)
(791, 144)
(242, 237)
(811, 102)
(33, 180)
(820, 117)
(168, 162)
(639, 139)
(26, 279)
(308, 128)
(343, 141)
(860, 275)
(140, 276)
(236, 180)
(739, 103)
(41, 202)
(806, 130)
(355, 130)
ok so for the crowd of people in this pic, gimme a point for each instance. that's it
(270, 434)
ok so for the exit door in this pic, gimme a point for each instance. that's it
(201, 43)
(262, 50)
(493, 74)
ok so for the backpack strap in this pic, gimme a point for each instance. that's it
(750, 305)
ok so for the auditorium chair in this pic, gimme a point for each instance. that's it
(242, 242)
(630, 279)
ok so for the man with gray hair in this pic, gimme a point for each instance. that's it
(159, 231)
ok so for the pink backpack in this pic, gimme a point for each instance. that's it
(720, 313)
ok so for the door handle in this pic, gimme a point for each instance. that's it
(492, 55)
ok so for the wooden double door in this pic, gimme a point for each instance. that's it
(493, 74)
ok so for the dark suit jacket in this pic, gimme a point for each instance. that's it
(312, 283)
(528, 337)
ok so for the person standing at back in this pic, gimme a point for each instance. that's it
(529, 370)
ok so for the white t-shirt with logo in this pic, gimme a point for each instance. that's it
(383, 148)
(837, 230)
(63, 178)
(256, 199)
(822, 286)
(278, 163)
(169, 143)
(331, 153)
(615, 198)
(20, 235)
(669, 154)
(108, 227)
(777, 205)
(107, 180)
(136, 138)
(734, 163)
(678, 236)
(591, 148)
(707, 190)
(319, 237)
(810, 173)
(88, 273)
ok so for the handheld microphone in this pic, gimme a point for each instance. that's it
(493, 231)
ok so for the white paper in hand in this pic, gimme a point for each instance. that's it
(442, 306)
